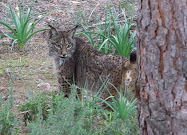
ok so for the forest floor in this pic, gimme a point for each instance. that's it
(31, 69)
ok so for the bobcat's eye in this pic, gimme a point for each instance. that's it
(68, 46)
(57, 46)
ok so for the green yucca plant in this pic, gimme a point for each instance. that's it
(103, 39)
(24, 27)
(124, 110)
(98, 41)
(121, 41)
(124, 105)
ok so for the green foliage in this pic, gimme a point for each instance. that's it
(97, 39)
(8, 121)
(93, 102)
(121, 40)
(68, 118)
(2, 36)
(30, 109)
(103, 39)
(129, 6)
(124, 111)
(24, 24)
(123, 106)
(55, 114)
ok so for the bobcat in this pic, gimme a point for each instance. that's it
(76, 61)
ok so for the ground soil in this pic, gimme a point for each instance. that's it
(24, 70)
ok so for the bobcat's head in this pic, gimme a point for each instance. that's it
(129, 75)
(62, 44)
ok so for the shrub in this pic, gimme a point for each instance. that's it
(70, 116)
(30, 109)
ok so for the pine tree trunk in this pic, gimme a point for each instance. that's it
(162, 66)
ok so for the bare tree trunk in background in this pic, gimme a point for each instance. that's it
(162, 63)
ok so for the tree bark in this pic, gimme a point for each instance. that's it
(162, 66)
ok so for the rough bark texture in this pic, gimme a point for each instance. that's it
(162, 63)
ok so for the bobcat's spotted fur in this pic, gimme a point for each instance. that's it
(75, 60)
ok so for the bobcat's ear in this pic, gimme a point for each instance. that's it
(72, 31)
(131, 64)
(52, 32)
(133, 57)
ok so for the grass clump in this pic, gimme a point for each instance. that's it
(30, 109)
(129, 6)
(8, 121)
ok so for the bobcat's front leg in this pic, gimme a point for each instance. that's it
(65, 73)
(64, 85)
